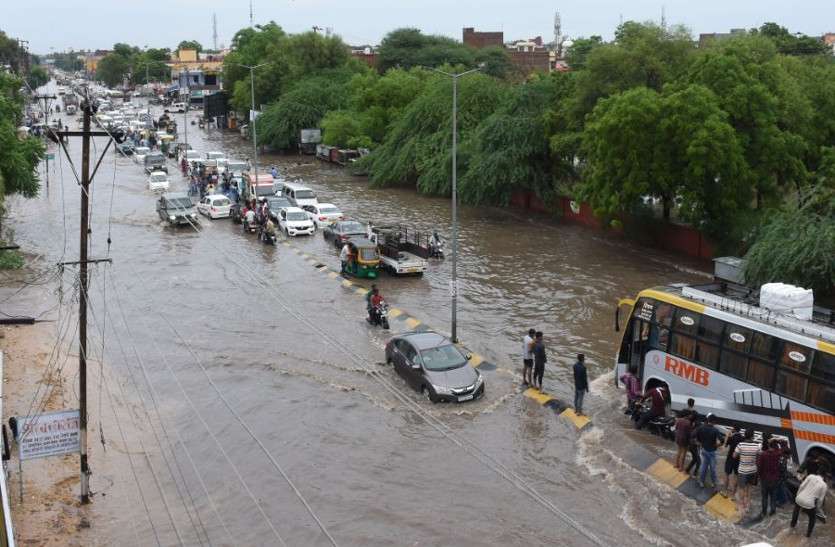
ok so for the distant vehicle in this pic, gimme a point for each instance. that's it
(299, 195)
(178, 150)
(71, 109)
(139, 154)
(215, 206)
(401, 250)
(342, 231)
(215, 156)
(276, 204)
(176, 107)
(257, 188)
(434, 366)
(176, 209)
(125, 148)
(155, 161)
(293, 221)
(323, 214)
(191, 156)
(158, 180)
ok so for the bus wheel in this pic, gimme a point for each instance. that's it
(823, 455)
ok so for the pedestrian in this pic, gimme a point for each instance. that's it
(709, 438)
(810, 496)
(581, 383)
(539, 360)
(746, 452)
(732, 439)
(695, 461)
(768, 469)
(274, 172)
(527, 357)
(633, 387)
(783, 495)
(345, 257)
(684, 427)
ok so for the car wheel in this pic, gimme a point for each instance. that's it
(428, 395)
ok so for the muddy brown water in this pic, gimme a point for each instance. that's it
(288, 349)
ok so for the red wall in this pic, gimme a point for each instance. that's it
(671, 237)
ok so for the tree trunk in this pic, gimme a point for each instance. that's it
(666, 208)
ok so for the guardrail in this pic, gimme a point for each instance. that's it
(7, 531)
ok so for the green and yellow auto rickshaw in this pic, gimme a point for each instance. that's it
(364, 260)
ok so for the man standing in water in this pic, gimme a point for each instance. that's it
(539, 360)
(581, 383)
(527, 357)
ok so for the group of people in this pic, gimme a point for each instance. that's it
(203, 181)
(258, 215)
(534, 357)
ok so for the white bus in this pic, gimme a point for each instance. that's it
(746, 365)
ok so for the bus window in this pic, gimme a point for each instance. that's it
(791, 385)
(710, 329)
(821, 395)
(663, 314)
(761, 374)
(686, 322)
(684, 347)
(707, 355)
(824, 366)
(764, 346)
(737, 338)
(734, 364)
(796, 357)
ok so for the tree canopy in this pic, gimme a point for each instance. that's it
(190, 44)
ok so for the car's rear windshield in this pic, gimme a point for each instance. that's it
(179, 203)
(305, 194)
(220, 202)
(353, 228)
(369, 254)
(158, 178)
(277, 203)
(442, 358)
(296, 216)
(329, 210)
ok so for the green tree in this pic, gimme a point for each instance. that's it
(37, 77)
(792, 44)
(112, 69)
(190, 44)
(263, 44)
(577, 54)
(342, 128)
(496, 62)
(311, 52)
(19, 158)
(417, 149)
(409, 47)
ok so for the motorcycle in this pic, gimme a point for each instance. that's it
(436, 249)
(250, 227)
(663, 426)
(268, 237)
(379, 315)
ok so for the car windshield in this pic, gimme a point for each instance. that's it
(158, 178)
(214, 155)
(305, 194)
(192, 154)
(277, 203)
(296, 216)
(442, 358)
(329, 211)
(142, 150)
(179, 203)
(221, 202)
(352, 228)
(237, 167)
(264, 190)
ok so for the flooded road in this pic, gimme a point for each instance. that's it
(285, 426)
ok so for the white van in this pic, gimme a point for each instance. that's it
(299, 195)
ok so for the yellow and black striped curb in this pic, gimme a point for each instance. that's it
(562, 409)
(476, 360)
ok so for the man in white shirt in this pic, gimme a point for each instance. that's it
(345, 256)
(527, 357)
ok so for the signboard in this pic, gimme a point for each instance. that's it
(253, 114)
(51, 434)
(311, 136)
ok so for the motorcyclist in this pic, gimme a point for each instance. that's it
(657, 406)
(269, 230)
(374, 306)
(249, 219)
(435, 243)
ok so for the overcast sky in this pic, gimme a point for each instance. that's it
(63, 24)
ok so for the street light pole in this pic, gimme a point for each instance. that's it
(453, 285)
(252, 115)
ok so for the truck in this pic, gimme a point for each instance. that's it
(402, 252)
(257, 187)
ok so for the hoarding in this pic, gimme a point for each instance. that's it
(51, 434)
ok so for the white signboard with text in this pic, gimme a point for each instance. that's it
(51, 434)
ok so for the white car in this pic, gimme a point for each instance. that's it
(139, 154)
(158, 180)
(215, 206)
(215, 156)
(192, 156)
(176, 107)
(294, 221)
(323, 214)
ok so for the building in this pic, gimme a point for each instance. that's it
(366, 54)
(91, 60)
(527, 56)
(480, 40)
(713, 37)
(199, 73)
(829, 39)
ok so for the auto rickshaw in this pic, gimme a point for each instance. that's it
(364, 260)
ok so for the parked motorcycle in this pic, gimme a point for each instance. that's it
(379, 315)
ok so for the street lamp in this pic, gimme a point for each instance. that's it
(252, 115)
(453, 288)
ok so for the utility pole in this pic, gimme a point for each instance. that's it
(46, 99)
(83, 261)
(252, 114)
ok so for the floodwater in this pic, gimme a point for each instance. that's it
(271, 388)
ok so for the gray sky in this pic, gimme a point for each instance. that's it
(90, 24)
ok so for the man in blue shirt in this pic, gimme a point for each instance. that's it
(581, 383)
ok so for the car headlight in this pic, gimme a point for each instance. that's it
(479, 381)
(442, 390)
(172, 218)
(193, 215)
